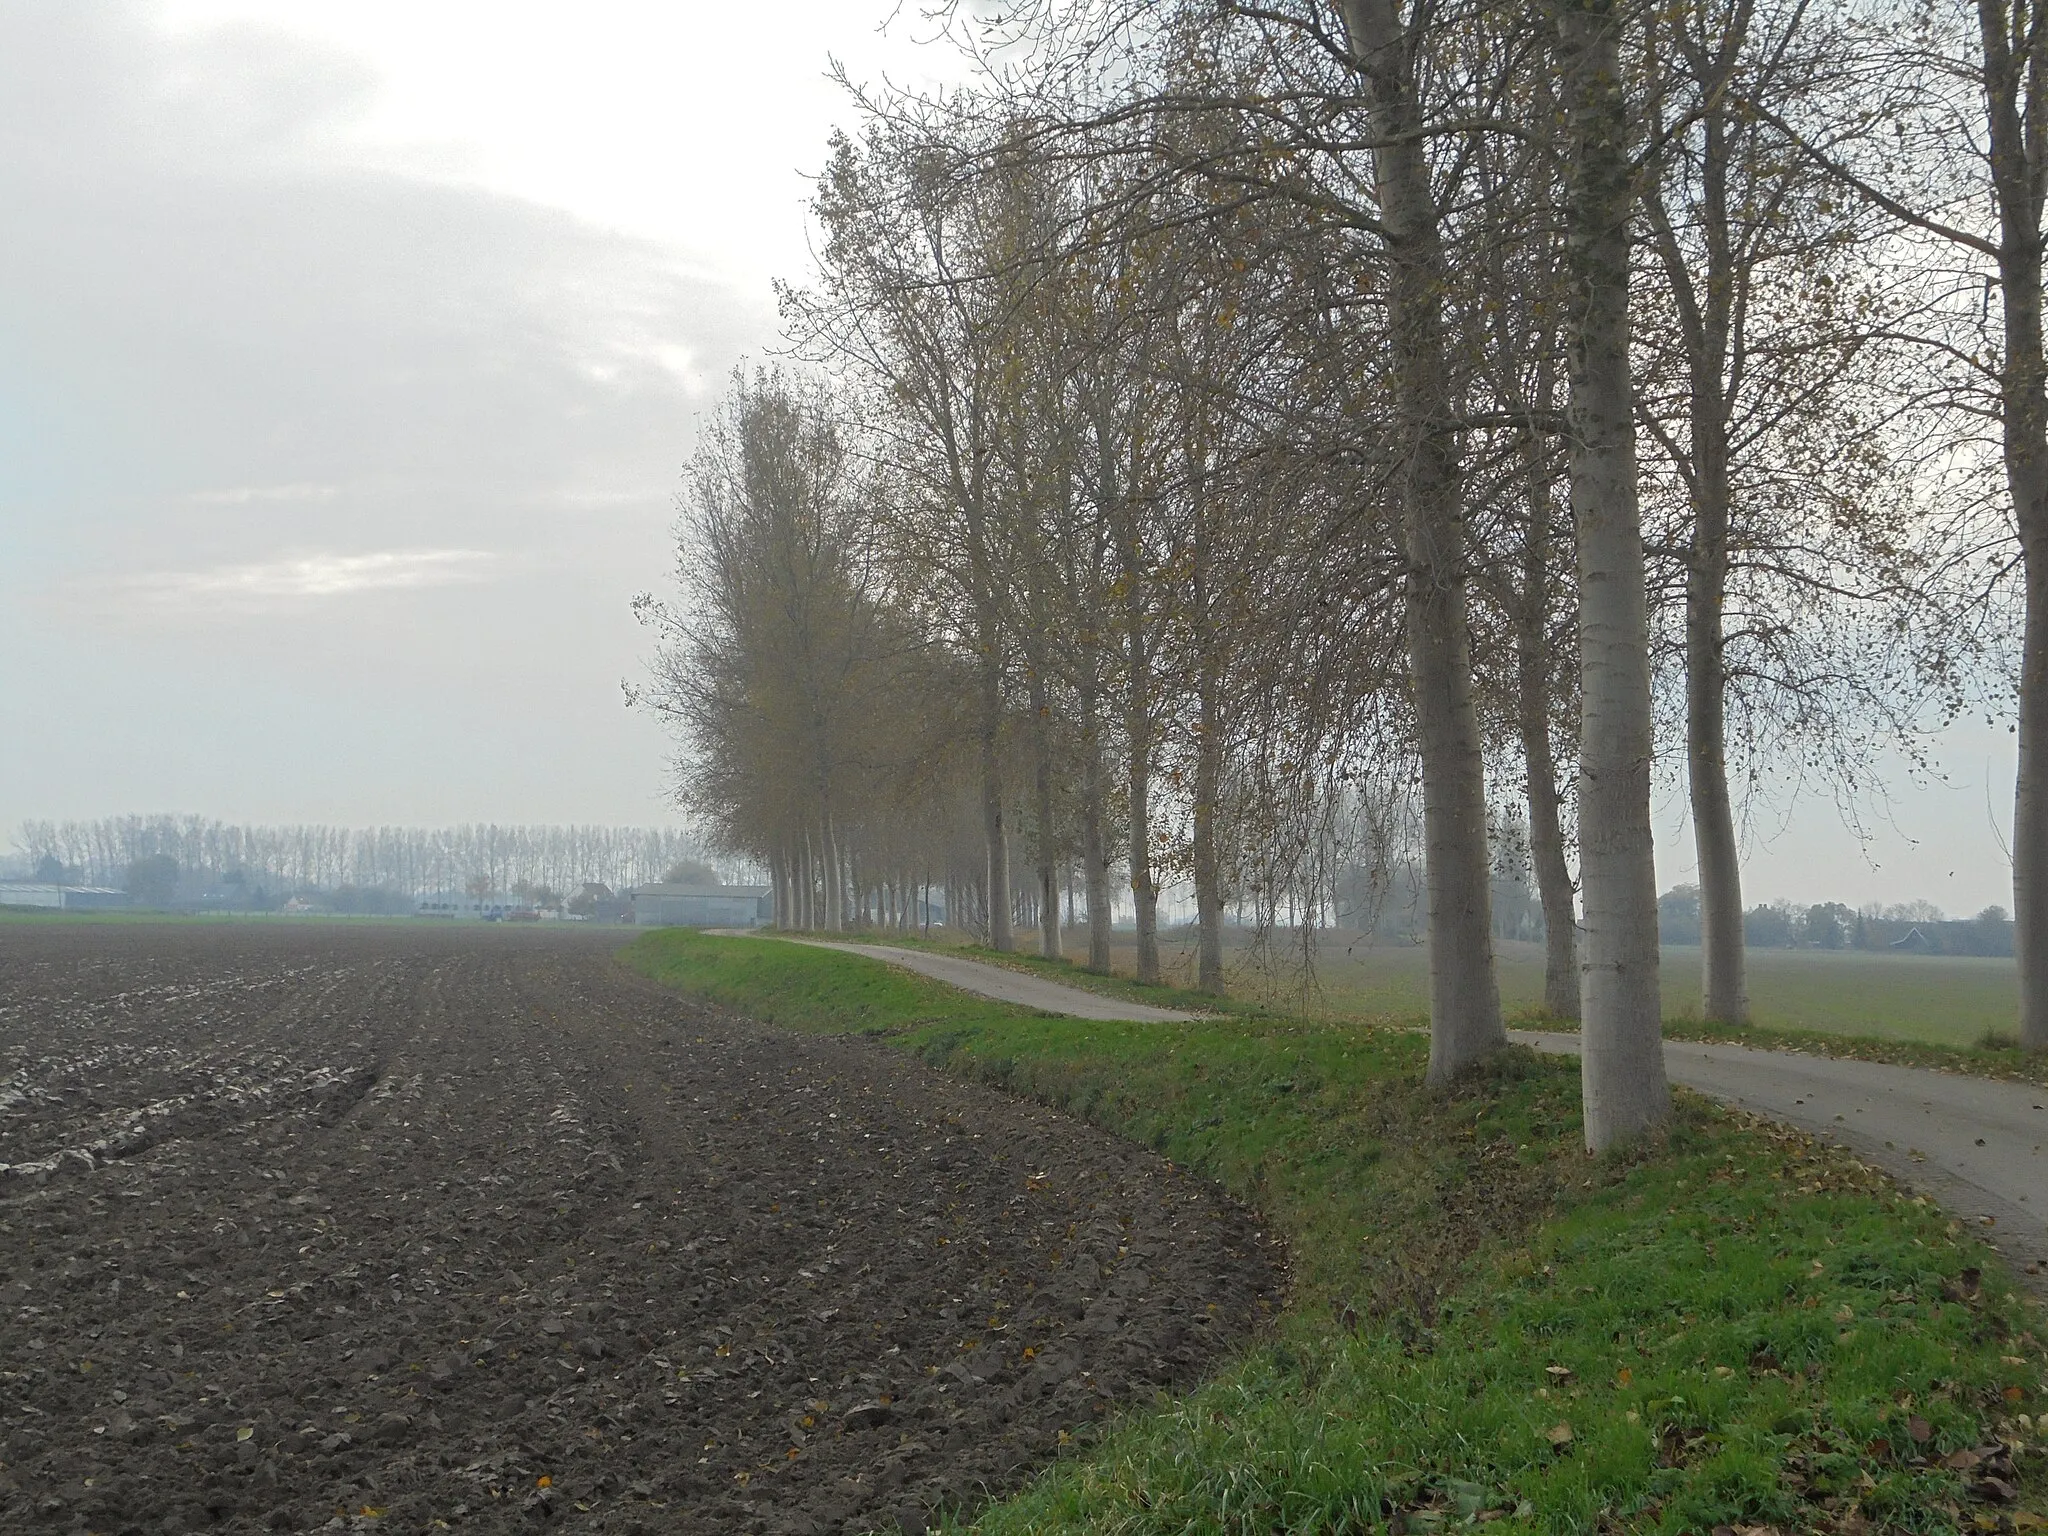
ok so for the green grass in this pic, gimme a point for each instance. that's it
(1732, 1327)
(1913, 1010)
(1932, 999)
(1950, 1000)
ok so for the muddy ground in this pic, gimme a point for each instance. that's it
(382, 1227)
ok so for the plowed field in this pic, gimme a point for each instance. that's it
(383, 1228)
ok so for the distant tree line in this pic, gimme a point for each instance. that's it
(1914, 927)
(359, 868)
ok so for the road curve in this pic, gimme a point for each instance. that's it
(1974, 1144)
(1007, 986)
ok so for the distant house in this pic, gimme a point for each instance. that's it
(1915, 941)
(596, 903)
(60, 898)
(701, 906)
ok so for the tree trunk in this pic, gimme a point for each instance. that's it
(1464, 993)
(1707, 319)
(1094, 852)
(2016, 98)
(1724, 995)
(1208, 789)
(1001, 934)
(835, 880)
(1622, 1078)
(2030, 794)
(1138, 730)
(1539, 758)
(806, 886)
(1208, 784)
(1048, 861)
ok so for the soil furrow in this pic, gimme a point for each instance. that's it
(550, 1247)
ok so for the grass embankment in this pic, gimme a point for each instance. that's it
(1912, 1010)
(1736, 1328)
(1934, 999)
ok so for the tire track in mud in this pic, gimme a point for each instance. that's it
(698, 1274)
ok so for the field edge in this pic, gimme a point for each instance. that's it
(1801, 1346)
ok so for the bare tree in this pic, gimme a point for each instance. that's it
(901, 297)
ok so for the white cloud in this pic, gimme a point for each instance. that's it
(245, 495)
(695, 125)
(313, 576)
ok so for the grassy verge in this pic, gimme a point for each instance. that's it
(2005, 1061)
(1735, 1328)
(1935, 999)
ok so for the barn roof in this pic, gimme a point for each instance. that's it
(728, 892)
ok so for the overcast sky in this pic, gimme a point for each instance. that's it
(349, 354)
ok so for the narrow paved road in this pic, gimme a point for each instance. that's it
(1006, 986)
(1972, 1143)
(1976, 1145)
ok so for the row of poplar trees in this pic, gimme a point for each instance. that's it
(1223, 408)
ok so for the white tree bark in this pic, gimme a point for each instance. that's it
(1625, 1092)
(2015, 42)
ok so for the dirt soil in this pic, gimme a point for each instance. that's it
(388, 1227)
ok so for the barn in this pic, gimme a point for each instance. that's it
(700, 906)
(60, 898)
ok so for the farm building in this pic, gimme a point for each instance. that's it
(701, 906)
(497, 907)
(60, 898)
